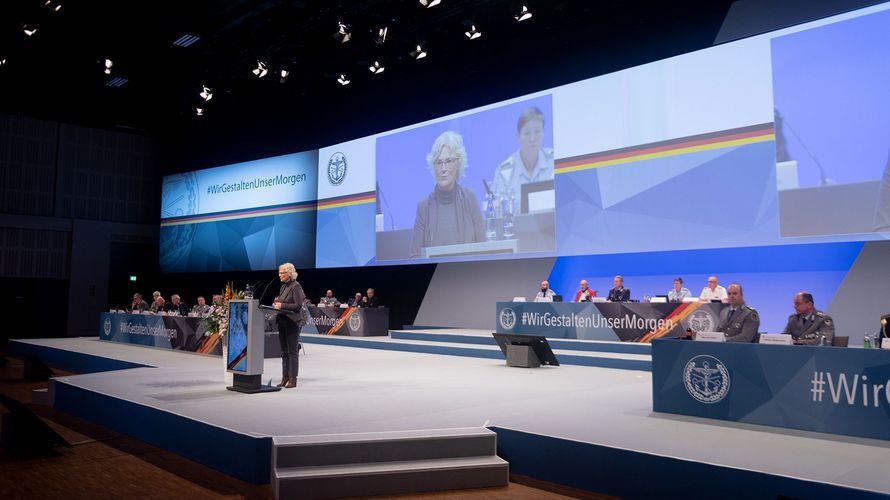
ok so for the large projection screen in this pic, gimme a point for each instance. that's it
(781, 138)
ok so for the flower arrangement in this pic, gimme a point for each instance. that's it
(217, 322)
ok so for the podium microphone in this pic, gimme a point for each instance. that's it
(264, 291)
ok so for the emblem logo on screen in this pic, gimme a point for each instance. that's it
(507, 319)
(355, 322)
(337, 168)
(706, 379)
(107, 326)
(702, 320)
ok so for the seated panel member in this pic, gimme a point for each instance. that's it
(138, 305)
(176, 305)
(585, 294)
(157, 305)
(739, 322)
(807, 325)
(201, 308)
(679, 292)
(618, 293)
(370, 300)
(713, 291)
(329, 300)
(355, 301)
(546, 294)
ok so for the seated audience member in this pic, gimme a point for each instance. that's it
(585, 294)
(739, 322)
(618, 293)
(807, 325)
(329, 300)
(201, 308)
(370, 299)
(355, 301)
(679, 292)
(713, 291)
(546, 294)
(158, 304)
(176, 305)
(138, 305)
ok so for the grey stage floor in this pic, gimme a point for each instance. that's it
(347, 390)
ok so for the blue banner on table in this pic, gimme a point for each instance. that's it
(823, 389)
(171, 332)
(624, 321)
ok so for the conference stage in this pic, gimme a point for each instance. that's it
(584, 426)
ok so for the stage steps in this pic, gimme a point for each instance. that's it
(386, 463)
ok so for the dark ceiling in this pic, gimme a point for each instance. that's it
(58, 72)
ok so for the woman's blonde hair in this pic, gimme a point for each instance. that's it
(289, 269)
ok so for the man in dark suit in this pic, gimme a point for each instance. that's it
(176, 305)
(739, 322)
(370, 299)
(807, 326)
(290, 299)
(355, 301)
(619, 293)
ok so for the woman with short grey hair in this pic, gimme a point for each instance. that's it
(450, 214)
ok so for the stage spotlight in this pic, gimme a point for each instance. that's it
(344, 33)
(284, 74)
(376, 68)
(3, 62)
(418, 53)
(29, 30)
(199, 111)
(342, 80)
(430, 3)
(522, 14)
(260, 70)
(108, 64)
(473, 33)
(380, 35)
(206, 93)
(53, 6)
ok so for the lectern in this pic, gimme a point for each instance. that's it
(246, 339)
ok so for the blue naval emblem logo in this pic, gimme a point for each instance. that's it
(507, 319)
(337, 168)
(706, 379)
(107, 326)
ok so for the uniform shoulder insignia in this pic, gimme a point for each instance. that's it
(754, 315)
(792, 316)
(508, 163)
(827, 320)
(819, 314)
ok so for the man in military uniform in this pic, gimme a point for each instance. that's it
(530, 163)
(201, 308)
(807, 326)
(619, 293)
(739, 322)
(329, 300)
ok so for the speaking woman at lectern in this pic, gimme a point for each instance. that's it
(290, 300)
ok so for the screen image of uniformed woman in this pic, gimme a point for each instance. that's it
(290, 300)
(532, 162)
(450, 214)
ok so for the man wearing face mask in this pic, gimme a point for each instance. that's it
(546, 294)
